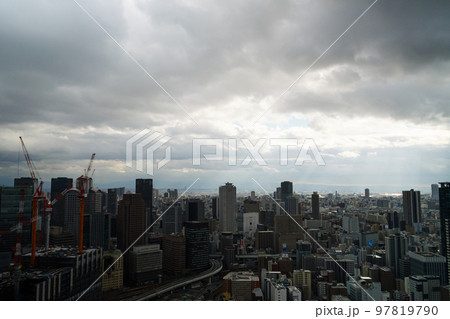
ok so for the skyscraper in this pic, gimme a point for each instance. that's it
(396, 246)
(291, 205)
(196, 209)
(434, 191)
(227, 208)
(412, 210)
(197, 245)
(130, 221)
(94, 220)
(315, 206)
(58, 185)
(444, 207)
(145, 188)
(286, 190)
(367, 193)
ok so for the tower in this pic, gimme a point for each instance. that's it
(130, 221)
(444, 208)
(315, 206)
(412, 210)
(286, 190)
(227, 208)
(145, 188)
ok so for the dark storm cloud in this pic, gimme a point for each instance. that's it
(58, 66)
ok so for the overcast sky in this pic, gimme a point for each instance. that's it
(377, 103)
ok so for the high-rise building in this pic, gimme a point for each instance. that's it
(58, 185)
(174, 253)
(9, 214)
(265, 240)
(286, 190)
(214, 207)
(130, 221)
(427, 263)
(251, 206)
(435, 192)
(444, 209)
(195, 209)
(227, 208)
(71, 212)
(424, 288)
(94, 220)
(114, 196)
(145, 187)
(303, 249)
(395, 250)
(112, 277)
(412, 210)
(251, 221)
(315, 206)
(172, 220)
(197, 245)
(367, 193)
(291, 205)
(25, 182)
(145, 263)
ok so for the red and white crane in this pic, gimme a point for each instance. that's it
(82, 185)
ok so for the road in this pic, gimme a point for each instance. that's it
(215, 268)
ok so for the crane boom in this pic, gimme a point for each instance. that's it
(31, 167)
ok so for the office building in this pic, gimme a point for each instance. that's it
(145, 188)
(291, 205)
(412, 210)
(130, 221)
(112, 278)
(145, 264)
(251, 221)
(227, 208)
(114, 196)
(303, 249)
(265, 240)
(197, 245)
(315, 208)
(23, 182)
(427, 263)
(286, 190)
(9, 214)
(424, 288)
(94, 220)
(214, 207)
(58, 185)
(435, 192)
(239, 286)
(367, 193)
(302, 279)
(195, 209)
(174, 254)
(172, 220)
(444, 213)
(395, 250)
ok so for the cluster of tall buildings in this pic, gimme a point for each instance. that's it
(286, 246)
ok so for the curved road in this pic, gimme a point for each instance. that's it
(216, 267)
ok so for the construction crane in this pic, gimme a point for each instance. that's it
(82, 185)
(36, 197)
(48, 210)
(18, 249)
